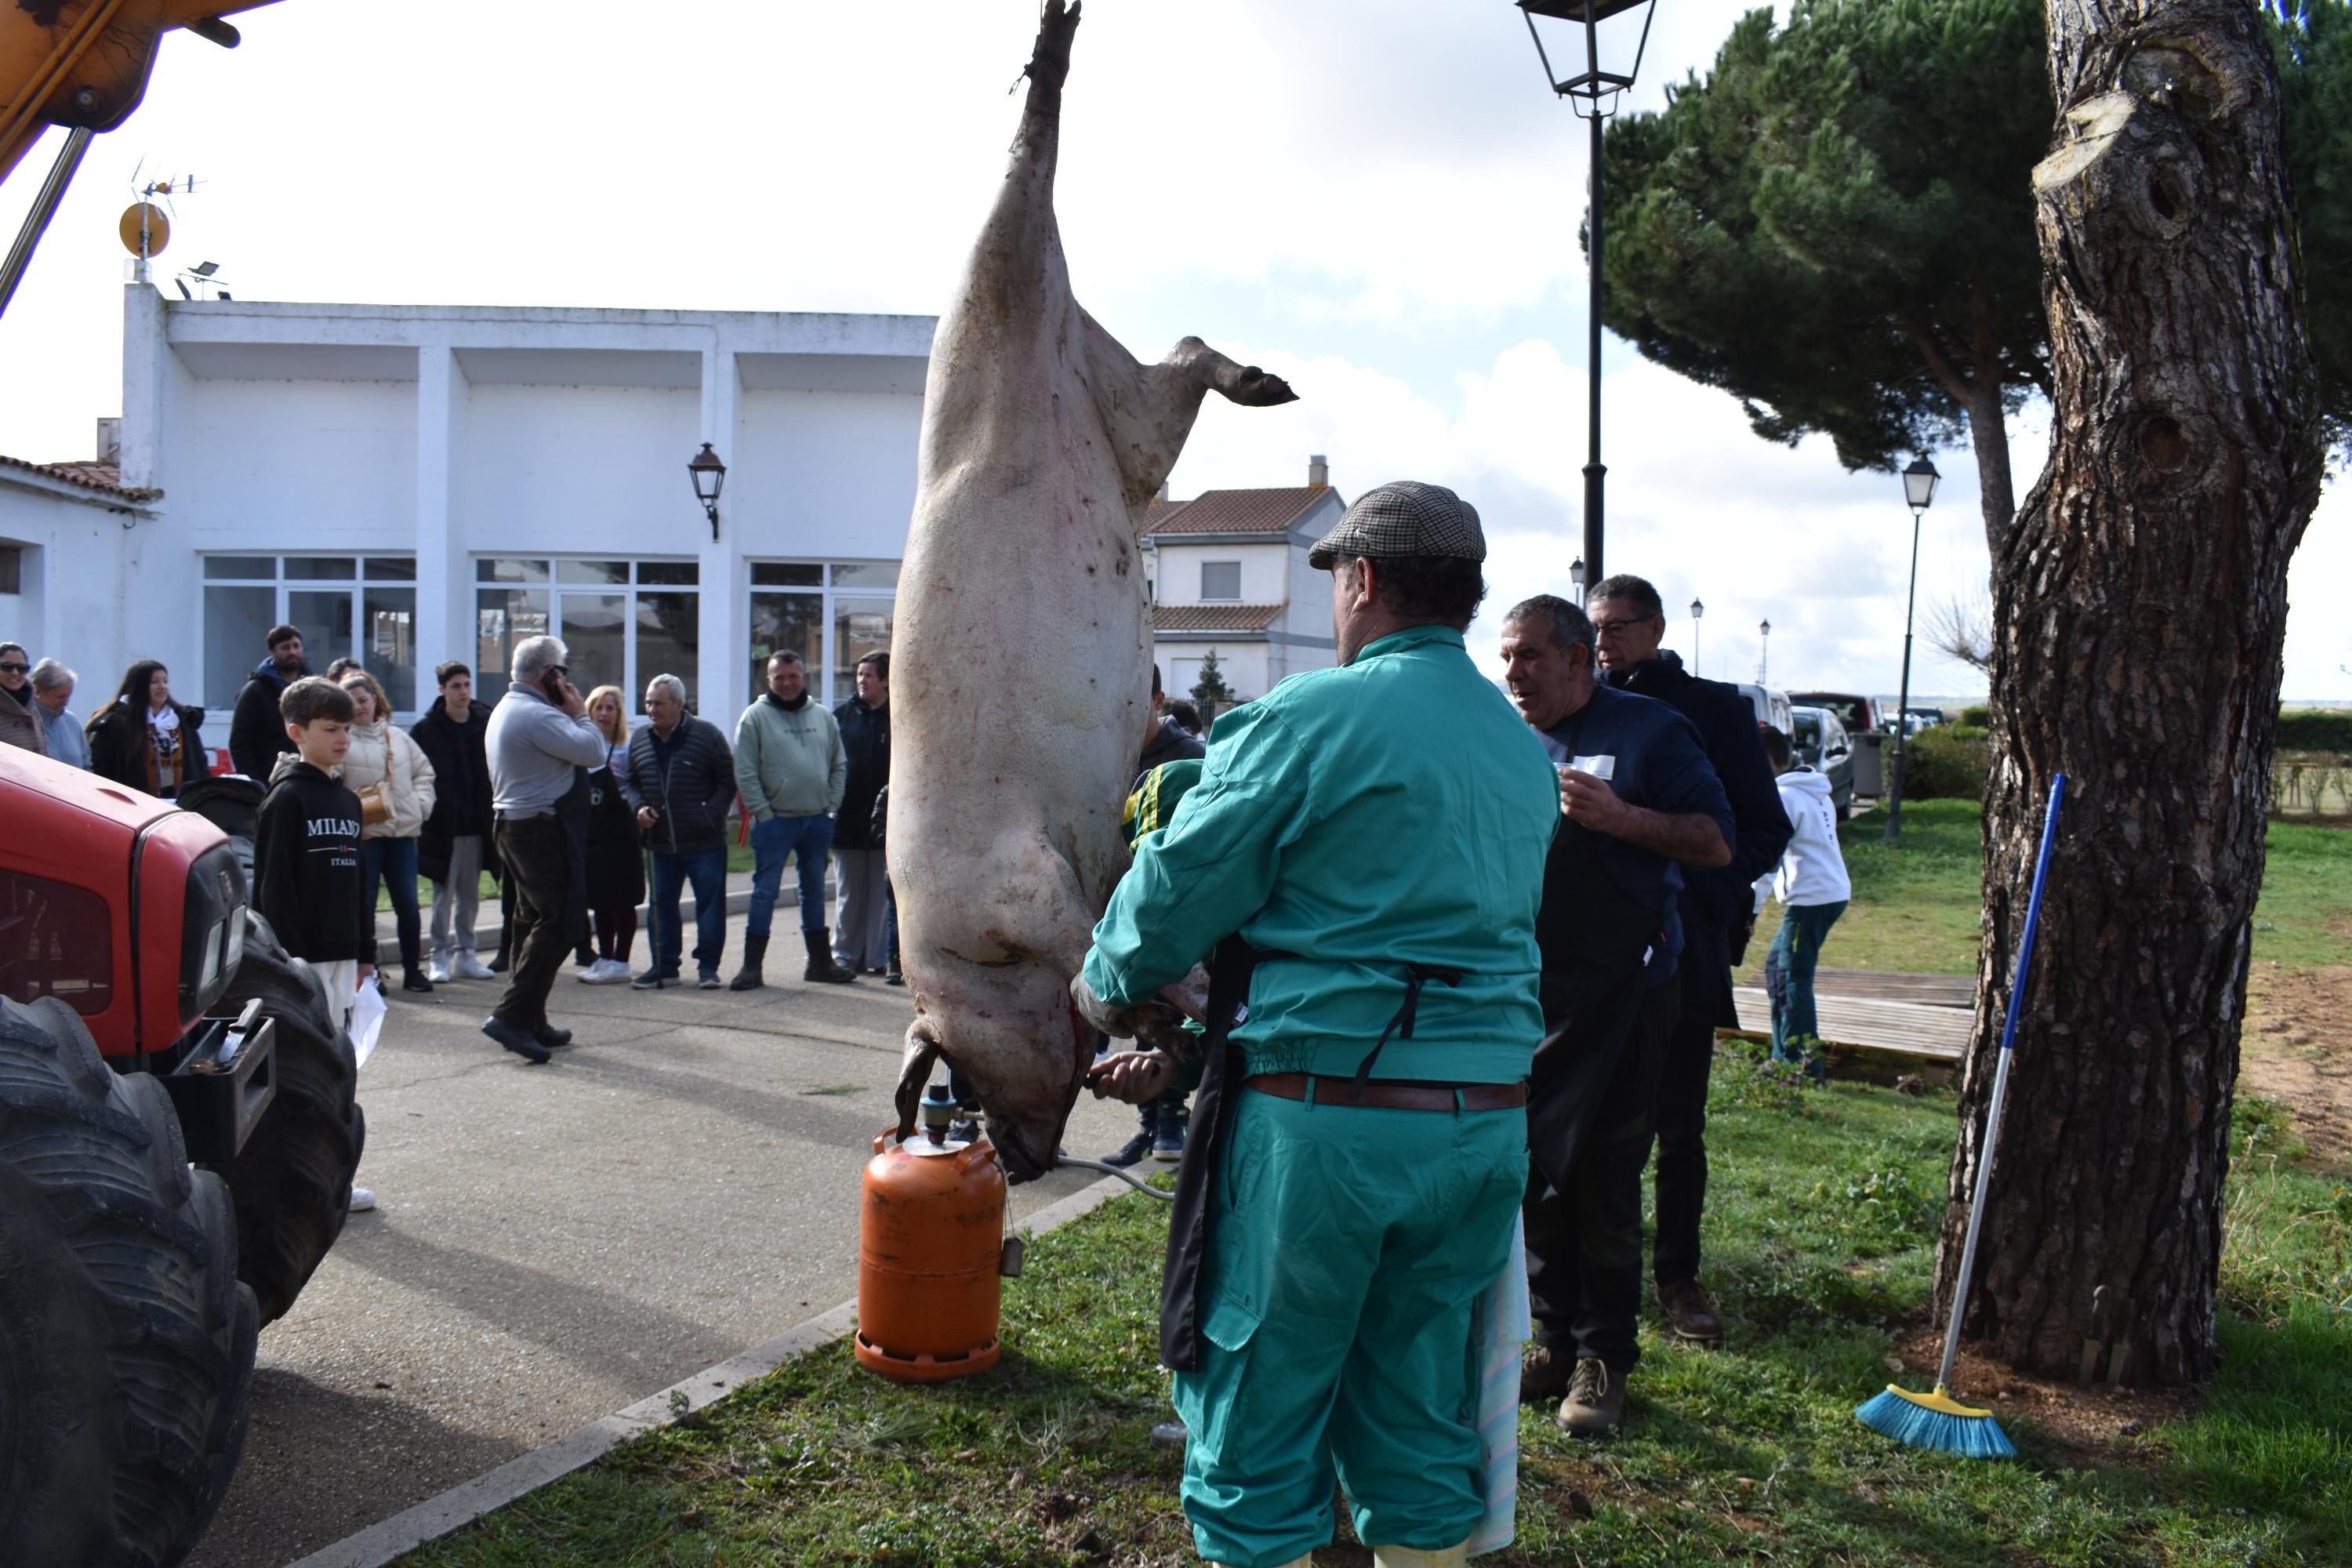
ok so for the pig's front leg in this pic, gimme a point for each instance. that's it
(1244, 384)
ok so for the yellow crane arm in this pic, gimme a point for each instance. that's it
(84, 63)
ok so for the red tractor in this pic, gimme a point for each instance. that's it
(177, 1136)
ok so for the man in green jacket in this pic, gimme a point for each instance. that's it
(1377, 834)
(790, 769)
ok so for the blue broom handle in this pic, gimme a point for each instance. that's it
(2000, 1081)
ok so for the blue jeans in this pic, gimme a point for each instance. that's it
(395, 861)
(810, 838)
(1788, 980)
(707, 869)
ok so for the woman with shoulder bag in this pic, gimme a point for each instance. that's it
(390, 774)
(616, 869)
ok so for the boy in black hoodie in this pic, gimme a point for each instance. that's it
(306, 852)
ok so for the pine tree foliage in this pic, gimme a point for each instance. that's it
(1836, 223)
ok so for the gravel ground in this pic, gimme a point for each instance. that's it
(556, 1242)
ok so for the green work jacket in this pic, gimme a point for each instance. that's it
(1395, 811)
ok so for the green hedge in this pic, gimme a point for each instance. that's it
(2316, 729)
(1977, 716)
(1948, 761)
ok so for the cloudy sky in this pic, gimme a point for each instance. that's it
(1377, 198)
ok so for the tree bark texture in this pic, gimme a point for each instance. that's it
(2140, 608)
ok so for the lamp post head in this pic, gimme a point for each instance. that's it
(1576, 576)
(1766, 629)
(708, 475)
(1697, 609)
(1919, 484)
(1576, 29)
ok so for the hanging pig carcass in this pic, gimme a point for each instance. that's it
(1021, 660)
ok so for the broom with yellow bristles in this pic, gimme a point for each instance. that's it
(1937, 1421)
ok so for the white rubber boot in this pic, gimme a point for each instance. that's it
(1414, 1557)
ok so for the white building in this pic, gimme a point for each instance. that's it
(1228, 575)
(413, 484)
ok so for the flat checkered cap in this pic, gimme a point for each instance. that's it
(1399, 519)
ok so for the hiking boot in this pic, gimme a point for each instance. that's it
(1167, 1144)
(1596, 1400)
(1692, 1313)
(1131, 1151)
(749, 977)
(821, 966)
(1545, 1373)
(515, 1038)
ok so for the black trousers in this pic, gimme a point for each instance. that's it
(1688, 1059)
(538, 857)
(1584, 1235)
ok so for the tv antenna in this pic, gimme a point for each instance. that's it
(145, 227)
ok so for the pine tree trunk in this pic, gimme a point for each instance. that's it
(2140, 607)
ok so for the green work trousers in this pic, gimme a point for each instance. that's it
(1347, 1248)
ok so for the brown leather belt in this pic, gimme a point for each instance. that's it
(1390, 1094)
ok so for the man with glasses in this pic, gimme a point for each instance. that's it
(1716, 908)
(19, 726)
(542, 741)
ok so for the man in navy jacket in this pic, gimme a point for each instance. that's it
(1716, 906)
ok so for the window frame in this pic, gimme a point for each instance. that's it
(489, 684)
(834, 683)
(357, 588)
(1233, 598)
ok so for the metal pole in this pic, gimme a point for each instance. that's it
(1594, 470)
(1696, 666)
(1903, 703)
(45, 207)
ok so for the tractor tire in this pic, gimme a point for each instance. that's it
(292, 1181)
(126, 1341)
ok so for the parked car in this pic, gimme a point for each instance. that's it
(1859, 714)
(1917, 719)
(1771, 707)
(1818, 739)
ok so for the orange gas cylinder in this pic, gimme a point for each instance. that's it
(930, 1248)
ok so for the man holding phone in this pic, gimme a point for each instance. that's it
(541, 738)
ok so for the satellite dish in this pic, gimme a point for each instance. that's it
(158, 228)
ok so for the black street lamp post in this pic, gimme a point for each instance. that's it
(708, 475)
(1918, 492)
(1576, 576)
(1576, 25)
(1698, 612)
(1764, 659)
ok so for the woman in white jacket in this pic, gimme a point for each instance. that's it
(384, 759)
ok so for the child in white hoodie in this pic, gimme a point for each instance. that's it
(1811, 884)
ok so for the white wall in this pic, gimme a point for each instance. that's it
(575, 470)
(70, 602)
(321, 466)
(1265, 578)
(823, 475)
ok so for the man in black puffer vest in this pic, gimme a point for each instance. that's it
(680, 776)
(1717, 908)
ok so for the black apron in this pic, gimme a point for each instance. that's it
(1593, 938)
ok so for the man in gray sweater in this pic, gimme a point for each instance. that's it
(540, 738)
(790, 769)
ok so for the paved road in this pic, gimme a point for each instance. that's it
(556, 1242)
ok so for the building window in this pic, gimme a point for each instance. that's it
(831, 615)
(622, 622)
(12, 568)
(348, 607)
(1221, 580)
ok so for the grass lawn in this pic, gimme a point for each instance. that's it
(1917, 904)
(1822, 1220)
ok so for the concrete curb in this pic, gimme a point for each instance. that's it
(381, 1543)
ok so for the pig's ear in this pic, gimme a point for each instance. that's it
(1255, 388)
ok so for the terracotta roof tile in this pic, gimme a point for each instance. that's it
(1213, 618)
(1236, 512)
(104, 477)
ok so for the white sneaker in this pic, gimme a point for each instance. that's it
(604, 971)
(362, 1200)
(437, 968)
(469, 967)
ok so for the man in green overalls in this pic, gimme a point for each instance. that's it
(1376, 834)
